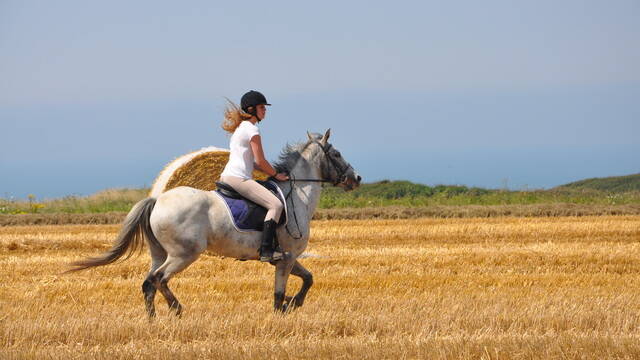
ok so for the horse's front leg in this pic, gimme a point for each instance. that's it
(307, 282)
(283, 269)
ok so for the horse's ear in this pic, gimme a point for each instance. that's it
(325, 138)
(311, 138)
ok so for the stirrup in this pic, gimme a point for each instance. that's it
(276, 255)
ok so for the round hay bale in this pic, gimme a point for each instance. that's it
(199, 169)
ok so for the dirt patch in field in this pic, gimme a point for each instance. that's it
(472, 211)
(388, 212)
(62, 219)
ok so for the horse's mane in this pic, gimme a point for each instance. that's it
(291, 153)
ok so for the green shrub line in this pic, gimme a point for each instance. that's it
(405, 193)
(380, 194)
(615, 184)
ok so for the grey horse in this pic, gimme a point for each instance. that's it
(183, 222)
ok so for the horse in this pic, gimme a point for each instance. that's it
(180, 224)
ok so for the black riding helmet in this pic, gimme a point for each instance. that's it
(250, 100)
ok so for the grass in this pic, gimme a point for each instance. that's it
(109, 200)
(381, 194)
(501, 288)
(612, 184)
(460, 195)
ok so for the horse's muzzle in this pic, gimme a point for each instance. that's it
(350, 181)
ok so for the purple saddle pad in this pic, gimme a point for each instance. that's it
(248, 215)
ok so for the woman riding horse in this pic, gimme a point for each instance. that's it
(182, 223)
(247, 153)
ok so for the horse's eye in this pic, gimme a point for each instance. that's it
(337, 153)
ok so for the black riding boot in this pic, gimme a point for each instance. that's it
(269, 251)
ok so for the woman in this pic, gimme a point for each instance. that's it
(247, 154)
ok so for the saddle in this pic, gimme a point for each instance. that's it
(246, 214)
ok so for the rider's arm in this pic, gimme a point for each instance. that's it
(258, 154)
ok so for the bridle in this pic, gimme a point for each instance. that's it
(341, 170)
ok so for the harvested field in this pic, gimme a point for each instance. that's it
(492, 288)
(385, 212)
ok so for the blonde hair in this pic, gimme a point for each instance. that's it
(233, 117)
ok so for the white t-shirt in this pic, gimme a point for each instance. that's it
(241, 157)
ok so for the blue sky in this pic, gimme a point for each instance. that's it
(527, 94)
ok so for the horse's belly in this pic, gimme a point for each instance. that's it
(240, 246)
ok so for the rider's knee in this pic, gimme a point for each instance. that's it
(277, 209)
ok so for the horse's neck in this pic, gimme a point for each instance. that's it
(306, 192)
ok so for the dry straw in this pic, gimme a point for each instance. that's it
(199, 169)
(502, 288)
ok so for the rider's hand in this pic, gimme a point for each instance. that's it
(281, 177)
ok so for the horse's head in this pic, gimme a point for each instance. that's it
(333, 166)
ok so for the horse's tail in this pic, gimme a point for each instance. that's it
(131, 238)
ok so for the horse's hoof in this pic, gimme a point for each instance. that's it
(290, 304)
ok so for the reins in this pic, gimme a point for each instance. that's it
(292, 180)
(341, 172)
(307, 180)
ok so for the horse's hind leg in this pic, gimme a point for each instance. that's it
(172, 266)
(307, 281)
(158, 257)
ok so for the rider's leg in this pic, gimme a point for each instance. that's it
(269, 251)
(261, 196)
(257, 193)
